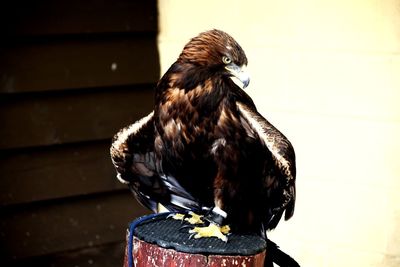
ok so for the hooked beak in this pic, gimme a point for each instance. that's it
(239, 75)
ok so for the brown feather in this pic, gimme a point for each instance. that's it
(210, 147)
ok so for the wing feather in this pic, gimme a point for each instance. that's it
(131, 144)
(283, 155)
(132, 153)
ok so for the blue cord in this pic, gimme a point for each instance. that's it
(132, 227)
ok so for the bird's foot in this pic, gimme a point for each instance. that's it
(191, 218)
(212, 230)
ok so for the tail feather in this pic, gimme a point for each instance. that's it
(275, 220)
(277, 256)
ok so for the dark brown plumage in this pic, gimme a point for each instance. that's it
(205, 147)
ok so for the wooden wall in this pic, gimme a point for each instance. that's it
(72, 73)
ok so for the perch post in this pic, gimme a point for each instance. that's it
(161, 242)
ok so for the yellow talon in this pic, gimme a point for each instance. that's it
(178, 216)
(225, 229)
(212, 230)
(195, 219)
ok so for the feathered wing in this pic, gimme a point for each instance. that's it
(133, 156)
(280, 180)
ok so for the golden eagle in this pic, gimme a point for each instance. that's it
(205, 147)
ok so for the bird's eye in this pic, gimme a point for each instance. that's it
(226, 60)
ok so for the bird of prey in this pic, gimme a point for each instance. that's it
(205, 148)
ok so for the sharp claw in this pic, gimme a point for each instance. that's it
(192, 235)
(186, 226)
(182, 222)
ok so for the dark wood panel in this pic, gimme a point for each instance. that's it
(72, 64)
(46, 17)
(56, 172)
(67, 117)
(66, 225)
(109, 255)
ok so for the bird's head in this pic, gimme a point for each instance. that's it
(219, 53)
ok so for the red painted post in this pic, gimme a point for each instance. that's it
(146, 255)
(186, 252)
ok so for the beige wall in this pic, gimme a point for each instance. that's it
(327, 73)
